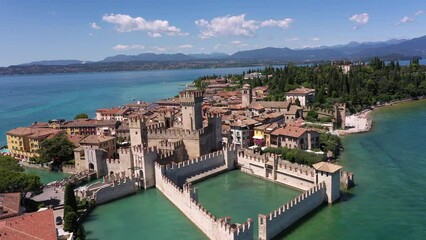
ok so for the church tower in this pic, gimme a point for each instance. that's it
(191, 102)
(246, 95)
(138, 131)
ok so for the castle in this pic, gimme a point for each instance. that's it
(164, 142)
(171, 157)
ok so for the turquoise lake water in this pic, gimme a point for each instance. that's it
(387, 203)
(46, 176)
(30, 98)
(389, 164)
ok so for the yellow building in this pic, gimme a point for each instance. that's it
(24, 142)
(259, 135)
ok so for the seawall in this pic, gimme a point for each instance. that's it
(279, 220)
(186, 200)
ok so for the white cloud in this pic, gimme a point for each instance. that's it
(316, 39)
(95, 26)
(292, 39)
(154, 35)
(126, 23)
(236, 26)
(360, 20)
(158, 49)
(185, 46)
(419, 12)
(217, 46)
(237, 44)
(406, 19)
(284, 23)
(121, 47)
(227, 26)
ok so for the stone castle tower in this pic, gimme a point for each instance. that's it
(191, 102)
(340, 115)
(138, 131)
(246, 95)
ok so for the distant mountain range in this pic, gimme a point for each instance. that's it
(392, 49)
(389, 50)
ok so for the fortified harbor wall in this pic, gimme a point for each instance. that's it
(272, 168)
(275, 222)
(112, 187)
(178, 173)
(186, 200)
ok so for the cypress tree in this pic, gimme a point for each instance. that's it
(70, 203)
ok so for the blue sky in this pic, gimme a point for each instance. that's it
(94, 29)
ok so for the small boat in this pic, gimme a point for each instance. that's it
(133, 99)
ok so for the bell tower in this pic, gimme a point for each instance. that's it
(246, 95)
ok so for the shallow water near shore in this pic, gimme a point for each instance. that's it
(389, 166)
(46, 176)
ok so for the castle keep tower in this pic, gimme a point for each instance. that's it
(138, 131)
(191, 102)
(246, 95)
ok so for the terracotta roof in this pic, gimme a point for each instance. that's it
(75, 139)
(256, 106)
(326, 167)
(293, 110)
(34, 132)
(272, 104)
(38, 225)
(95, 139)
(11, 204)
(85, 122)
(290, 131)
(101, 123)
(300, 91)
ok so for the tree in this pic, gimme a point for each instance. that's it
(297, 102)
(70, 221)
(81, 115)
(13, 178)
(70, 203)
(10, 164)
(58, 149)
(312, 116)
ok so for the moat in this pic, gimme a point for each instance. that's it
(151, 215)
(382, 206)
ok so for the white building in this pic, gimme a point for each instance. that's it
(305, 95)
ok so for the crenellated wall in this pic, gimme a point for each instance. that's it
(112, 187)
(274, 223)
(178, 173)
(186, 200)
(124, 162)
(295, 175)
(271, 167)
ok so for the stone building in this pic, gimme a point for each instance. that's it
(161, 142)
(295, 137)
(305, 95)
(246, 95)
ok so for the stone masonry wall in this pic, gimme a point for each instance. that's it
(115, 189)
(268, 167)
(272, 224)
(178, 173)
(186, 200)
